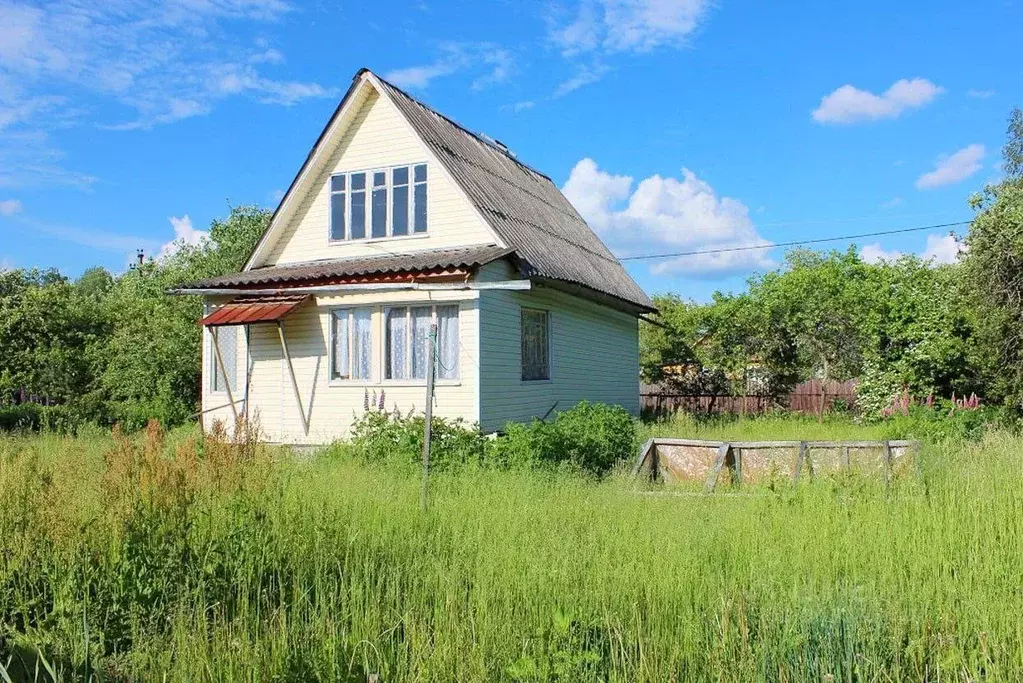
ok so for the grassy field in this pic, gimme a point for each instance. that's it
(161, 558)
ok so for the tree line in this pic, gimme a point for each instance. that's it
(899, 326)
(109, 348)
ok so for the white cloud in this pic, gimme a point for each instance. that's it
(852, 105)
(519, 107)
(667, 215)
(953, 168)
(491, 63)
(892, 203)
(585, 75)
(158, 61)
(874, 253)
(9, 207)
(942, 249)
(184, 235)
(629, 25)
(980, 94)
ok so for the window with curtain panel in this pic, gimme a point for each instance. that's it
(351, 348)
(406, 343)
(226, 336)
(536, 347)
(378, 203)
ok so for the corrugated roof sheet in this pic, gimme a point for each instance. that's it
(525, 207)
(254, 309)
(417, 262)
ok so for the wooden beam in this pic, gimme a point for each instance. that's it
(799, 461)
(294, 381)
(887, 463)
(712, 479)
(644, 451)
(223, 373)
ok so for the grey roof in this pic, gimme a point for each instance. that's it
(523, 206)
(435, 259)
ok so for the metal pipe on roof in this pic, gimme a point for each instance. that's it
(518, 285)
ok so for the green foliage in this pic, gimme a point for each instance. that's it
(590, 438)
(116, 349)
(158, 557)
(383, 437)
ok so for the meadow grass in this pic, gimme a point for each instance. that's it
(165, 558)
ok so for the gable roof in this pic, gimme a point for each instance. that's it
(525, 208)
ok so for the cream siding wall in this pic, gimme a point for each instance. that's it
(378, 138)
(332, 407)
(594, 356)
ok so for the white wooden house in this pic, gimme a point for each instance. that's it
(400, 218)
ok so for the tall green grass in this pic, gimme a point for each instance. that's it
(167, 559)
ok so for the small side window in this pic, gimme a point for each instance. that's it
(536, 364)
(226, 337)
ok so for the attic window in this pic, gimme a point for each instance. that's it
(378, 203)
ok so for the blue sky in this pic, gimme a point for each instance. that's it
(673, 125)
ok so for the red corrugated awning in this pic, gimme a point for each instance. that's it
(254, 309)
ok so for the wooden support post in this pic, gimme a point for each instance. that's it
(648, 450)
(737, 466)
(799, 461)
(431, 349)
(887, 463)
(294, 381)
(215, 331)
(845, 456)
(712, 479)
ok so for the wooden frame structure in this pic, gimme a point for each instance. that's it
(730, 454)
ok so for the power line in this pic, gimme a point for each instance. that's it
(794, 244)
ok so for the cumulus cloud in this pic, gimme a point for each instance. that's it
(939, 250)
(9, 207)
(953, 168)
(849, 104)
(667, 215)
(184, 235)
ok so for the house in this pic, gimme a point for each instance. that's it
(400, 219)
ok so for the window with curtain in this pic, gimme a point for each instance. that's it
(407, 341)
(351, 344)
(378, 204)
(536, 364)
(227, 338)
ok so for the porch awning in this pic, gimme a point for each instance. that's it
(245, 310)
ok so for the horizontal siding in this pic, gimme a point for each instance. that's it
(378, 137)
(594, 356)
(333, 408)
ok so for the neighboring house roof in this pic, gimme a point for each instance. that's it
(315, 271)
(522, 206)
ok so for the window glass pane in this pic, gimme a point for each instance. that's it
(399, 210)
(380, 212)
(379, 179)
(535, 345)
(358, 228)
(362, 343)
(422, 317)
(400, 176)
(420, 203)
(337, 216)
(358, 181)
(447, 342)
(227, 337)
(396, 344)
(420, 173)
(341, 366)
(337, 183)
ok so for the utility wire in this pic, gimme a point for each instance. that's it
(794, 244)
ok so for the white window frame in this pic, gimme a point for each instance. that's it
(408, 306)
(214, 365)
(357, 381)
(388, 172)
(550, 345)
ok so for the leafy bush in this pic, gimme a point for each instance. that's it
(381, 436)
(941, 422)
(34, 417)
(590, 437)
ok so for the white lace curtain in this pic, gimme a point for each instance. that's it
(447, 342)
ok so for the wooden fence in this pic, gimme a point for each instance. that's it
(805, 398)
